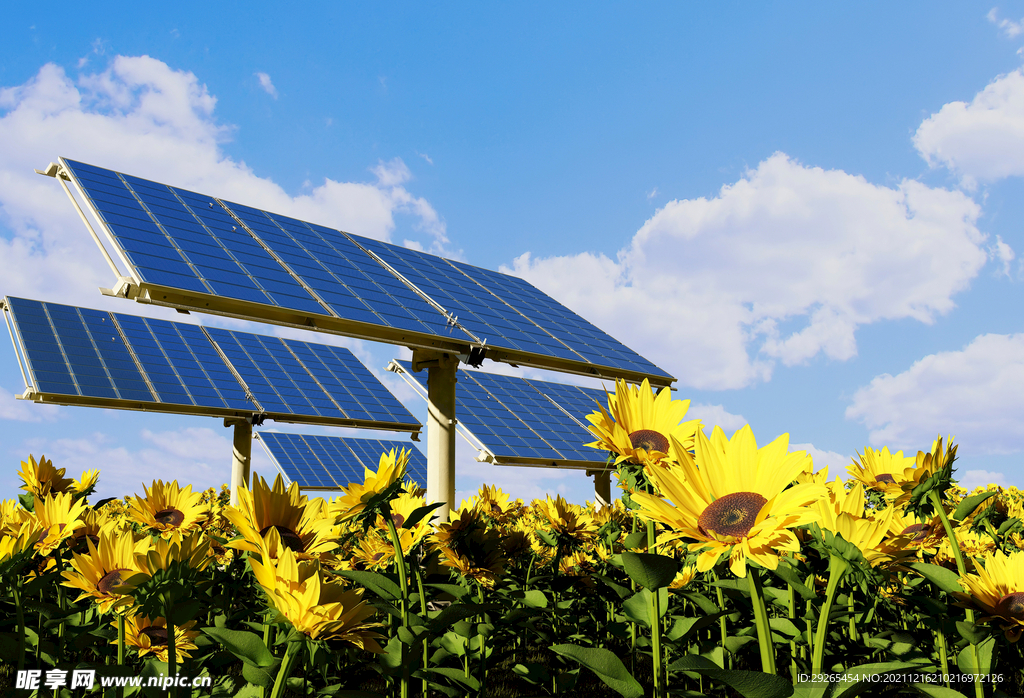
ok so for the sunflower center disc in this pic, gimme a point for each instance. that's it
(1011, 605)
(109, 581)
(398, 519)
(917, 532)
(732, 515)
(649, 440)
(887, 478)
(79, 544)
(289, 537)
(169, 516)
(157, 636)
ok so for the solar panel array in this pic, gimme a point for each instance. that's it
(526, 420)
(330, 462)
(190, 242)
(142, 363)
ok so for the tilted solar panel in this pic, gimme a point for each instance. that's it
(192, 251)
(333, 462)
(82, 356)
(523, 421)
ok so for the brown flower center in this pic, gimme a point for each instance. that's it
(289, 537)
(156, 635)
(731, 515)
(917, 532)
(399, 519)
(649, 440)
(79, 544)
(1011, 606)
(169, 516)
(110, 580)
(887, 478)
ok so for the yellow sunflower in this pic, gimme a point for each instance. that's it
(637, 425)
(683, 578)
(920, 536)
(302, 524)
(149, 636)
(843, 513)
(41, 479)
(59, 515)
(997, 590)
(469, 546)
(168, 507)
(13, 515)
(733, 498)
(924, 465)
(972, 545)
(87, 482)
(881, 470)
(402, 509)
(374, 551)
(299, 591)
(390, 469)
(190, 550)
(17, 540)
(570, 522)
(108, 572)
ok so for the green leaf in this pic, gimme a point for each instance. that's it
(936, 690)
(246, 646)
(257, 675)
(969, 504)
(702, 602)
(637, 606)
(734, 643)
(965, 660)
(648, 570)
(454, 589)
(608, 667)
(534, 673)
(458, 612)
(621, 591)
(459, 676)
(374, 581)
(971, 632)
(786, 627)
(417, 515)
(749, 684)
(636, 539)
(535, 598)
(944, 579)
(683, 628)
(790, 576)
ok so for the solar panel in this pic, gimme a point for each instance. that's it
(91, 357)
(193, 251)
(523, 421)
(333, 462)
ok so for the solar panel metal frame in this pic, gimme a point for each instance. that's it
(133, 287)
(487, 451)
(256, 413)
(417, 461)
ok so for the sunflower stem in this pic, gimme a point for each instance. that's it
(961, 568)
(764, 631)
(21, 622)
(172, 660)
(403, 582)
(852, 630)
(426, 639)
(120, 646)
(656, 663)
(940, 642)
(791, 614)
(290, 654)
(722, 627)
(837, 568)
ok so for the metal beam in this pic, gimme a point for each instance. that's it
(441, 379)
(602, 487)
(241, 455)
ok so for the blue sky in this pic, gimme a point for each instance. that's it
(811, 215)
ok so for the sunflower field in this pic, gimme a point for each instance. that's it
(724, 569)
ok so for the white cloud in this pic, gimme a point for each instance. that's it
(142, 117)
(836, 462)
(783, 265)
(715, 415)
(981, 478)
(976, 394)
(980, 141)
(652, 193)
(1009, 28)
(24, 411)
(1004, 254)
(267, 84)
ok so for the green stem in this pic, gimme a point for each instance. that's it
(656, 659)
(791, 614)
(764, 631)
(722, 623)
(837, 568)
(852, 630)
(404, 584)
(120, 646)
(809, 640)
(21, 622)
(290, 654)
(961, 568)
(940, 641)
(172, 659)
(426, 638)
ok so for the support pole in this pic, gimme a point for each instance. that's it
(241, 455)
(602, 487)
(441, 378)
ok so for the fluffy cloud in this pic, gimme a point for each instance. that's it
(142, 117)
(976, 393)
(980, 141)
(267, 84)
(981, 478)
(836, 462)
(783, 265)
(23, 411)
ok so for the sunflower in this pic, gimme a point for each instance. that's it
(997, 590)
(881, 470)
(733, 498)
(972, 545)
(191, 551)
(637, 425)
(59, 515)
(41, 479)
(373, 551)
(390, 469)
(108, 572)
(149, 636)
(469, 546)
(13, 515)
(925, 465)
(87, 483)
(402, 509)
(492, 502)
(300, 523)
(323, 610)
(683, 578)
(842, 513)
(570, 523)
(168, 507)
(18, 542)
(921, 536)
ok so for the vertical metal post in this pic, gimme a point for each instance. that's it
(241, 455)
(602, 487)
(441, 431)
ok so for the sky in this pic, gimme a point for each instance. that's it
(810, 215)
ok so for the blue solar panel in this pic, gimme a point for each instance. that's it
(193, 242)
(333, 461)
(512, 418)
(77, 352)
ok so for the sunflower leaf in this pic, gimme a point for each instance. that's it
(454, 589)
(649, 570)
(248, 647)
(684, 628)
(608, 667)
(965, 660)
(945, 579)
(969, 504)
(458, 676)
(418, 515)
(786, 573)
(749, 684)
(374, 581)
